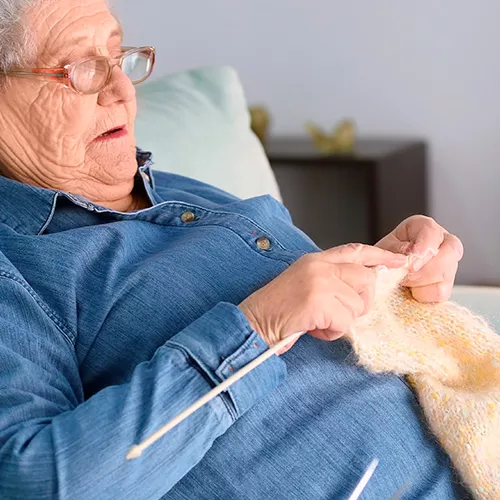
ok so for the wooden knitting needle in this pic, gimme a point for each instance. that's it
(137, 450)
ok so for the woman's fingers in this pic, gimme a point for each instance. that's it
(434, 256)
(346, 307)
(434, 282)
(364, 255)
(437, 292)
(442, 267)
(418, 236)
(425, 233)
(361, 280)
(350, 302)
(455, 244)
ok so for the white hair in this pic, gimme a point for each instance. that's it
(16, 43)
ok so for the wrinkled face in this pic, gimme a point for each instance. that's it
(50, 135)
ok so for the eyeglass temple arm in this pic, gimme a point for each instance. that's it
(55, 74)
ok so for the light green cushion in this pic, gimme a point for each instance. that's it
(197, 124)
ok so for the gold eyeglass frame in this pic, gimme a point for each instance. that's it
(64, 74)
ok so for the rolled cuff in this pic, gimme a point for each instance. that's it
(221, 342)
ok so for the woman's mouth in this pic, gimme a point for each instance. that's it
(114, 133)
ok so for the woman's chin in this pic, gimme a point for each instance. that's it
(118, 162)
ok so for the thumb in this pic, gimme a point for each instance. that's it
(394, 244)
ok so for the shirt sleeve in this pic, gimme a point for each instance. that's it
(56, 443)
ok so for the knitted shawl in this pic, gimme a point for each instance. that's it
(452, 359)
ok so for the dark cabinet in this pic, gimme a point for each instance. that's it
(358, 197)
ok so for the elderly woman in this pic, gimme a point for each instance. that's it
(125, 297)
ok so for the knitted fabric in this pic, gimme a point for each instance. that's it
(452, 359)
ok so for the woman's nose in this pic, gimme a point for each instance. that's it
(118, 89)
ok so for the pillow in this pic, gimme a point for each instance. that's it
(197, 124)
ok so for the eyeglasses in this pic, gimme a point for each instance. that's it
(90, 75)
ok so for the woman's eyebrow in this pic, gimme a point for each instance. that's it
(67, 56)
(117, 32)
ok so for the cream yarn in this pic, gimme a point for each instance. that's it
(452, 358)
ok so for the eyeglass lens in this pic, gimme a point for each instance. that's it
(137, 65)
(91, 75)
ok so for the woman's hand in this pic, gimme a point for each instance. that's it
(322, 293)
(437, 253)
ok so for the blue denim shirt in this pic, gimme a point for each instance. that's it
(112, 323)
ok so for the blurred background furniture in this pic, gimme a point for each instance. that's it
(357, 197)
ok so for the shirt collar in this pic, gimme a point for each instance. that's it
(29, 209)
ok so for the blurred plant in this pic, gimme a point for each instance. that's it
(260, 120)
(340, 141)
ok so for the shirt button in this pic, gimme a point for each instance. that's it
(145, 176)
(263, 243)
(188, 217)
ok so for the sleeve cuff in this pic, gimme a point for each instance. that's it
(221, 342)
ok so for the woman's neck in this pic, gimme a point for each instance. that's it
(137, 199)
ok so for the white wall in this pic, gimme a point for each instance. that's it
(429, 69)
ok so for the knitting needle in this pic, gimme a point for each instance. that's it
(137, 450)
(364, 480)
